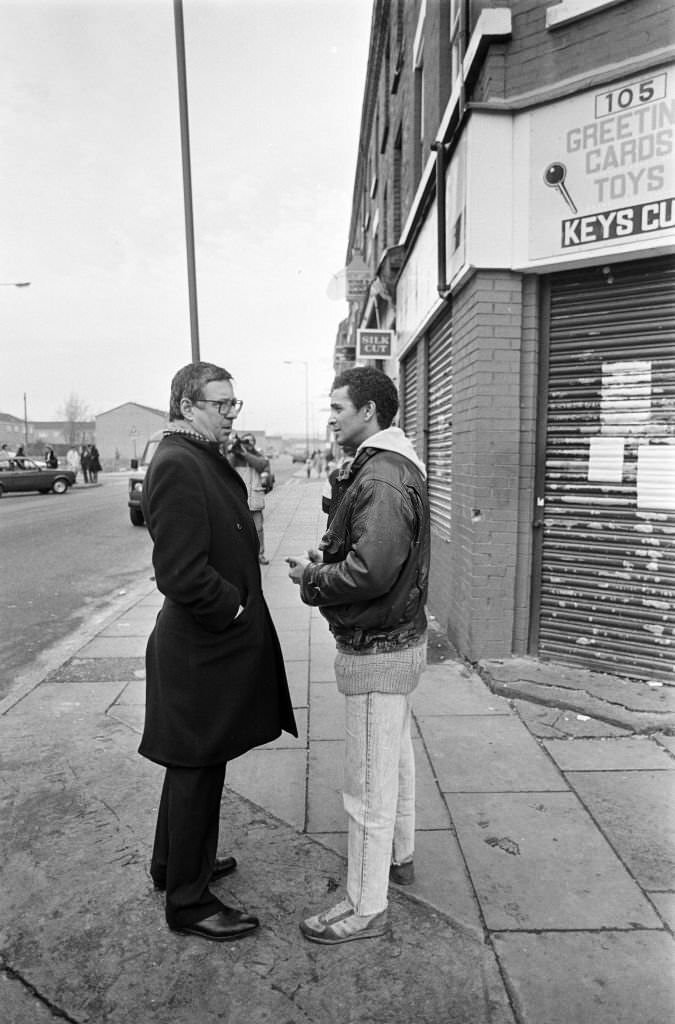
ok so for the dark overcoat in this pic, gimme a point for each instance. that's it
(215, 683)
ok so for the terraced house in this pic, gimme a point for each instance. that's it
(510, 262)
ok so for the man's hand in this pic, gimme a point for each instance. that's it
(298, 564)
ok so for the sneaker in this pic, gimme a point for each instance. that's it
(402, 874)
(342, 924)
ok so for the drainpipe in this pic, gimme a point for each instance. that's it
(441, 249)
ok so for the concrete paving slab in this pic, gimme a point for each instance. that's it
(538, 861)
(578, 978)
(136, 625)
(631, 694)
(321, 646)
(665, 905)
(288, 742)
(480, 753)
(552, 723)
(130, 715)
(328, 712)
(325, 810)
(280, 594)
(115, 647)
(578, 700)
(294, 645)
(297, 673)
(72, 701)
(666, 741)
(636, 811)
(286, 619)
(451, 689)
(93, 669)
(20, 1005)
(297, 687)
(273, 779)
(430, 809)
(336, 841)
(133, 693)
(321, 668)
(634, 753)
(442, 880)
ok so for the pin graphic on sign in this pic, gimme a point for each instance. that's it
(554, 177)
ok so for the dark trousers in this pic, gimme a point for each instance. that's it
(186, 842)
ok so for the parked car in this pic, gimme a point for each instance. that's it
(24, 474)
(136, 480)
(299, 453)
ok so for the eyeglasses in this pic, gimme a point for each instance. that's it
(226, 407)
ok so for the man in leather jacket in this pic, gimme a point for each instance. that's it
(371, 586)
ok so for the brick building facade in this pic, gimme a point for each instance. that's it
(514, 207)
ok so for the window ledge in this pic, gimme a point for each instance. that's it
(493, 25)
(572, 10)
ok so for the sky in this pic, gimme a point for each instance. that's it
(91, 199)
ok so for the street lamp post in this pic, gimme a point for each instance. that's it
(187, 177)
(303, 362)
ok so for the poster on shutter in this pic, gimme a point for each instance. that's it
(605, 460)
(656, 477)
(602, 175)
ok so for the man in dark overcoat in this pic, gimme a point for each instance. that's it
(216, 684)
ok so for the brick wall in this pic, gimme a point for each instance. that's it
(475, 600)
(537, 58)
(529, 363)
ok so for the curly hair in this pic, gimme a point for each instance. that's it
(190, 381)
(365, 384)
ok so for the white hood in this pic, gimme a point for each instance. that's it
(394, 440)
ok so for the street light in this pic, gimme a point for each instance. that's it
(303, 362)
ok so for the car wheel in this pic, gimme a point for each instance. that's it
(136, 517)
(60, 486)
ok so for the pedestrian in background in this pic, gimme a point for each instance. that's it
(250, 464)
(84, 462)
(94, 464)
(73, 461)
(51, 462)
(372, 587)
(215, 679)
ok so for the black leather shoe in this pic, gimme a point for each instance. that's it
(226, 925)
(222, 867)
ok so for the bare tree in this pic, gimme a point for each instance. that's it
(73, 413)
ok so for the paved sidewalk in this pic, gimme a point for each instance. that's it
(545, 889)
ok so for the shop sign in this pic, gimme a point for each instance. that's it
(602, 174)
(374, 344)
(359, 277)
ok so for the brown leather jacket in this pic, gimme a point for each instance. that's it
(372, 585)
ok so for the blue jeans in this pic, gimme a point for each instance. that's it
(379, 794)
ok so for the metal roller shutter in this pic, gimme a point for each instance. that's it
(608, 555)
(410, 403)
(439, 437)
